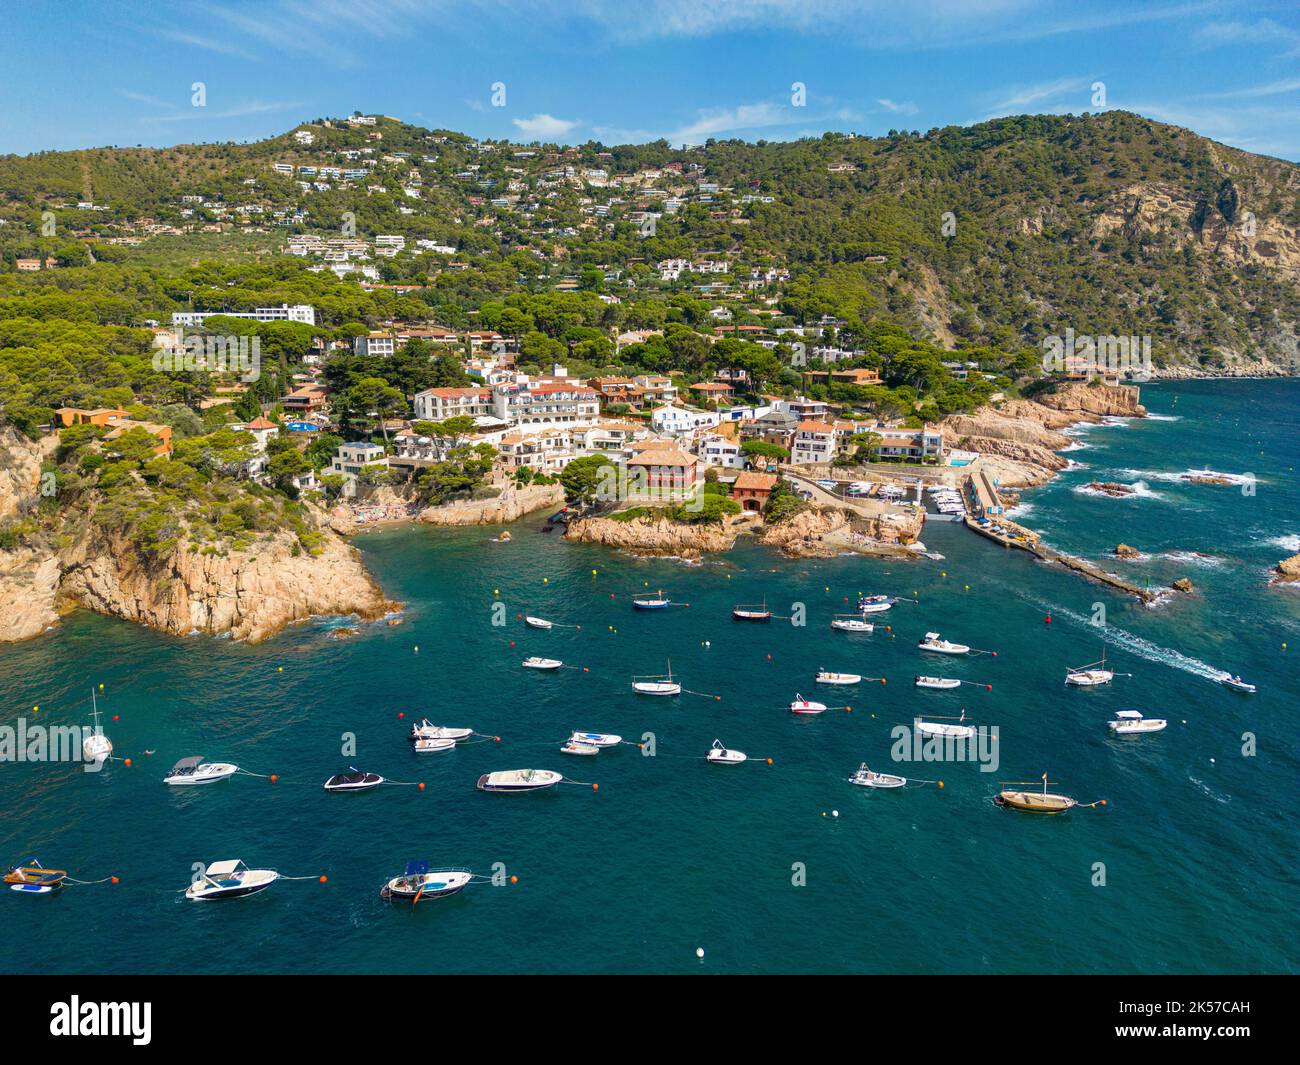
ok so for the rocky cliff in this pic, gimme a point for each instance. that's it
(512, 504)
(250, 594)
(653, 536)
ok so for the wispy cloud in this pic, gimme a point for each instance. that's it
(1060, 94)
(905, 108)
(1264, 32)
(1272, 88)
(208, 44)
(172, 112)
(545, 127)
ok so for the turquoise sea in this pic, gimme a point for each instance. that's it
(1198, 841)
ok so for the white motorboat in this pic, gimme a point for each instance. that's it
(230, 880)
(538, 623)
(195, 770)
(938, 682)
(587, 749)
(657, 684)
(866, 778)
(596, 739)
(425, 730)
(419, 882)
(432, 745)
(1236, 684)
(96, 747)
(838, 678)
(1130, 722)
(941, 727)
(873, 605)
(541, 663)
(511, 780)
(932, 642)
(806, 706)
(720, 755)
(852, 624)
(353, 780)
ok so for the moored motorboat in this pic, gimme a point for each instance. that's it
(353, 780)
(419, 882)
(34, 878)
(1131, 722)
(866, 778)
(511, 780)
(432, 745)
(195, 770)
(587, 749)
(230, 880)
(875, 604)
(940, 727)
(851, 623)
(538, 623)
(596, 739)
(932, 642)
(806, 706)
(425, 730)
(535, 662)
(938, 682)
(720, 755)
(825, 677)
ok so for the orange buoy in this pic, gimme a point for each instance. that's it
(770, 762)
(421, 785)
(274, 778)
(514, 880)
(595, 787)
(400, 715)
(323, 878)
(113, 880)
(941, 783)
(126, 762)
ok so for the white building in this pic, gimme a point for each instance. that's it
(814, 444)
(300, 312)
(719, 451)
(680, 420)
(351, 459)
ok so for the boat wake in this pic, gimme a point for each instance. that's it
(1163, 417)
(1217, 796)
(1194, 558)
(1136, 645)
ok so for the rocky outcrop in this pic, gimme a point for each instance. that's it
(804, 534)
(1183, 584)
(20, 470)
(1124, 551)
(1111, 488)
(653, 536)
(1093, 400)
(822, 532)
(1288, 570)
(29, 586)
(512, 504)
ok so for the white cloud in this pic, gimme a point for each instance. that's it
(545, 127)
(904, 108)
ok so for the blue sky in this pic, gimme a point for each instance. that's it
(82, 73)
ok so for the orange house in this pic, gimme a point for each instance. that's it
(751, 490)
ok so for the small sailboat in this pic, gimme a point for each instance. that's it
(585, 749)
(230, 880)
(536, 662)
(354, 780)
(195, 770)
(932, 642)
(720, 755)
(1131, 722)
(596, 739)
(866, 778)
(851, 623)
(1091, 675)
(657, 601)
(751, 612)
(1236, 684)
(662, 684)
(938, 726)
(427, 731)
(942, 683)
(96, 747)
(433, 744)
(512, 780)
(824, 677)
(538, 623)
(1033, 802)
(806, 706)
(34, 878)
(419, 882)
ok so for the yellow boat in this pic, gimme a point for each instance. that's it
(1036, 802)
(35, 878)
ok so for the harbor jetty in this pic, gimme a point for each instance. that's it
(986, 516)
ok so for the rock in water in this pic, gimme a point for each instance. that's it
(1124, 551)
(1183, 585)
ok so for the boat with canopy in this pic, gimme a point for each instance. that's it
(720, 755)
(932, 642)
(419, 882)
(1131, 722)
(230, 880)
(867, 778)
